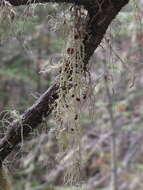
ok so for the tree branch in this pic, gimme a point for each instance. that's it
(27, 2)
(100, 15)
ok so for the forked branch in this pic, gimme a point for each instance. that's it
(100, 14)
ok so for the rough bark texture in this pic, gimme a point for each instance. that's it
(26, 2)
(100, 15)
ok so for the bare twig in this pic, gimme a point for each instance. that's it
(113, 126)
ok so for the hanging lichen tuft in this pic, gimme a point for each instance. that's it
(72, 72)
(73, 85)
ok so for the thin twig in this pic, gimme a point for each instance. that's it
(114, 133)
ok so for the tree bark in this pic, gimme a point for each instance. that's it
(100, 15)
(27, 2)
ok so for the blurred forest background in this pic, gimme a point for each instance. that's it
(31, 43)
